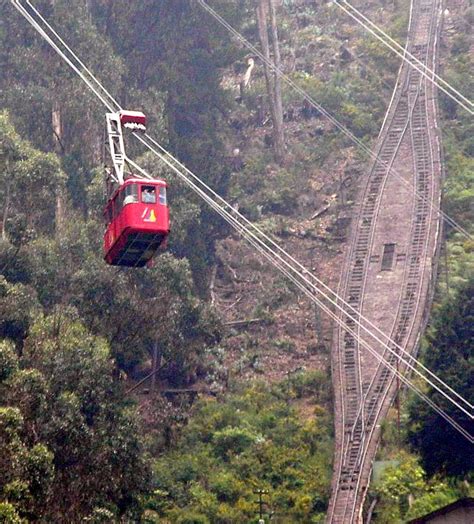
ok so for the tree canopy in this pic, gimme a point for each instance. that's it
(449, 355)
(70, 444)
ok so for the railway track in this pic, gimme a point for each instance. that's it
(390, 266)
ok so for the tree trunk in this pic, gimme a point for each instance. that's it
(5, 211)
(279, 138)
(58, 148)
(262, 11)
(156, 363)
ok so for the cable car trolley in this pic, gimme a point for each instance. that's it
(136, 213)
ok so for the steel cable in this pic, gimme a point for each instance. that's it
(330, 117)
(214, 205)
(402, 52)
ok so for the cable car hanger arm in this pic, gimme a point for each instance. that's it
(134, 120)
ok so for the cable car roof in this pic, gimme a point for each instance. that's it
(147, 181)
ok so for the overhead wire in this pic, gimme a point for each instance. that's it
(373, 352)
(213, 204)
(331, 117)
(307, 97)
(403, 53)
(112, 104)
(38, 28)
(467, 436)
(215, 194)
(281, 264)
(280, 252)
(108, 94)
(117, 106)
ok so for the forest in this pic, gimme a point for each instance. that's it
(176, 393)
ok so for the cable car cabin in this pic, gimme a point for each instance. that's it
(137, 222)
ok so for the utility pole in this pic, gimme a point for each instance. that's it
(260, 502)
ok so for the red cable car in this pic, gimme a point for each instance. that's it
(137, 218)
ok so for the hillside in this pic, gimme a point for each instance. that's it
(241, 399)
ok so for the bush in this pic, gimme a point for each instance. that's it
(8, 360)
(8, 514)
(251, 439)
(232, 440)
(313, 384)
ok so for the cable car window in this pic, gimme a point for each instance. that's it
(118, 204)
(130, 194)
(163, 195)
(149, 194)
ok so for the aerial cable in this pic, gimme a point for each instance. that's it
(220, 19)
(268, 238)
(423, 69)
(38, 28)
(278, 253)
(416, 390)
(112, 100)
(303, 273)
(402, 52)
(315, 104)
(111, 104)
(330, 117)
(31, 20)
(239, 227)
(280, 265)
(275, 262)
(379, 357)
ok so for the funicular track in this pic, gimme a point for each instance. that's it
(390, 265)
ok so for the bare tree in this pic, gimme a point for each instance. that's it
(277, 80)
(245, 79)
(56, 124)
(265, 10)
(57, 128)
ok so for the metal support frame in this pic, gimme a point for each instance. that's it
(116, 145)
(117, 150)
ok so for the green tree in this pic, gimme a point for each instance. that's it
(27, 472)
(404, 491)
(195, 51)
(252, 440)
(29, 180)
(49, 103)
(182, 52)
(18, 307)
(70, 443)
(449, 355)
(8, 514)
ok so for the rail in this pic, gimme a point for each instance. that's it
(364, 392)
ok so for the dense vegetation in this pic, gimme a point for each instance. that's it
(69, 443)
(255, 440)
(75, 335)
(75, 331)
